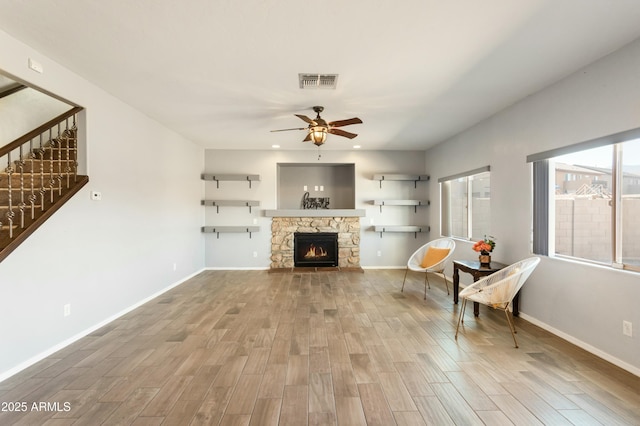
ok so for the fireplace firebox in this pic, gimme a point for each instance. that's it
(315, 249)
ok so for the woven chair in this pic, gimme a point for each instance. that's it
(498, 290)
(431, 261)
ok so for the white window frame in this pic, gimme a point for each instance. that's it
(543, 190)
(469, 175)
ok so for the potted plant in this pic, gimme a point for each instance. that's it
(485, 246)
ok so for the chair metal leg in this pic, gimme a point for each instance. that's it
(460, 318)
(512, 327)
(426, 283)
(445, 281)
(405, 279)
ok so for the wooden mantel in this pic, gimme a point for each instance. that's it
(315, 213)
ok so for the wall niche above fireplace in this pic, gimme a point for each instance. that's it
(332, 183)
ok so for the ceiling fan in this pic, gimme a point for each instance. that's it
(318, 127)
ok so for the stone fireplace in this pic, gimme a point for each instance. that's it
(283, 230)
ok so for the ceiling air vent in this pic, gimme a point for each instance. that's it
(318, 81)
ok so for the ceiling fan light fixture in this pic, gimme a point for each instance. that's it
(318, 128)
(318, 134)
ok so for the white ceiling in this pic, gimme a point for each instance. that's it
(225, 72)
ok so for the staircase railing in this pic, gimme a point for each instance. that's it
(41, 174)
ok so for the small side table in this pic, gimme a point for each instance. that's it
(474, 268)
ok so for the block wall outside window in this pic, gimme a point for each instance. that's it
(593, 201)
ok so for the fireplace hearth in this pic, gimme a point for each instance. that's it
(317, 249)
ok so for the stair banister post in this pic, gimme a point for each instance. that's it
(22, 204)
(43, 190)
(32, 196)
(10, 214)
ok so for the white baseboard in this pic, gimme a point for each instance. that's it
(261, 268)
(236, 268)
(42, 355)
(384, 267)
(587, 347)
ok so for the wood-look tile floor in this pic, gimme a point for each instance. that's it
(327, 348)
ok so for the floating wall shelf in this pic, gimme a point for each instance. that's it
(415, 203)
(234, 229)
(218, 178)
(402, 228)
(232, 203)
(392, 176)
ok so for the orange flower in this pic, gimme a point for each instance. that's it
(481, 246)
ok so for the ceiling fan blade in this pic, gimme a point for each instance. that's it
(306, 119)
(341, 123)
(284, 130)
(343, 133)
(308, 138)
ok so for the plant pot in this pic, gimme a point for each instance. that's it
(485, 260)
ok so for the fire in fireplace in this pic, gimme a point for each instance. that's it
(315, 249)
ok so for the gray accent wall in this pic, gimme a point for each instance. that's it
(335, 181)
(582, 302)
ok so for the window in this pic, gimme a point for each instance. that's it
(630, 202)
(583, 208)
(587, 201)
(465, 204)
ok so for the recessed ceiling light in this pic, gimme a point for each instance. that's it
(275, 146)
(356, 146)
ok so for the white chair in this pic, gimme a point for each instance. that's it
(431, 261)
(498, 290)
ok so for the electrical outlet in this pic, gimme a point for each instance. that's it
(379, 253)
(67, 310)
(255, 220)
(175, 266)
(255, 254)
(305, 188)
(321, 188)
(315, 188)
(627, 328)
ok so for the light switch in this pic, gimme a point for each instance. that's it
(35, 66)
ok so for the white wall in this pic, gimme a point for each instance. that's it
(236, 250)
(100, 257)
(583, 303)
(25, 110)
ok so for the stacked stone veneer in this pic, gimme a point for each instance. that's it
(283, 228)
